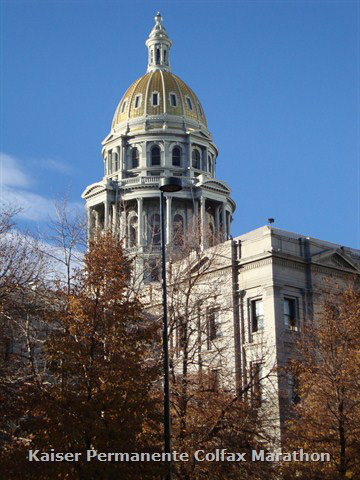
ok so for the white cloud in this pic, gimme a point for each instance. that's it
(11, 174)
(15, 189)
(54, 165)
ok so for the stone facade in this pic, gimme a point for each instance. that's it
(275, 282)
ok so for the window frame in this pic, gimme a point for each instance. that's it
(138, 101)
(293, 386)
(255, 325)
(178, 235)
(152, 158)
(189, 103)
(294, 324)
(152, 233)
(213, 325)
(176, 147)
(152, 271)
(158, 99)
(257, 391)
(133, 230)
(123, 106)
(133, 150)
(173, 95)
(193, 153)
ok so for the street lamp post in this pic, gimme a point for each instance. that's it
(167, 184)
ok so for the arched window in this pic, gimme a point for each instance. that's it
(196, 159)
(211, 235)
(155, 229)
(176, 157)
(178, 230)
(133, 230)
(157, 56)
(155, 156)
(209, 164)
(134, 158)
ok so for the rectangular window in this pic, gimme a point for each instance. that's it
(213, 326)
(290, 317)
(137, 101)
(123, 106)
(293, 389)
(257, 373)
(173, 100)
(214, 380)
(189, 104)
(152, 271)
(257, 315)
(155, 99)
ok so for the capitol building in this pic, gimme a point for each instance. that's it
(265, 284)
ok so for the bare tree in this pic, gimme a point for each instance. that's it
(65, 241)
(22, 262)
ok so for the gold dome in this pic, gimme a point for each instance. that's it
(173, 97)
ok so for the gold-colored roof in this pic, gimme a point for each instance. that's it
(164, 83)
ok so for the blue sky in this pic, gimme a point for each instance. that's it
(278, 80)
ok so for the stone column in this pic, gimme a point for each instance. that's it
(97, 220)
(106, 214)
(122, 156)
(195, 219)
(223, 220)
(228, 223)
(217, 220)
(114, 217)
(118, 151)
(189, 153)
(140, 231)
(123, 224)
(168, 219)
(202, 219)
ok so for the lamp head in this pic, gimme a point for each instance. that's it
(170, 184)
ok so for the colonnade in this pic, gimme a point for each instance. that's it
(112, 217)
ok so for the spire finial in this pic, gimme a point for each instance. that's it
(158, 18)
(158, 45)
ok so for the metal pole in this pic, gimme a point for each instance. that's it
(167, 421)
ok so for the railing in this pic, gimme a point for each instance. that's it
(138, 181)
(148, 249)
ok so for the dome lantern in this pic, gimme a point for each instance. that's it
(158, 45)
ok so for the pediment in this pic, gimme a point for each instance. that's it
(93, 189)
(217, 185)
(336, 259)
(199, 133)
(202, 134)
